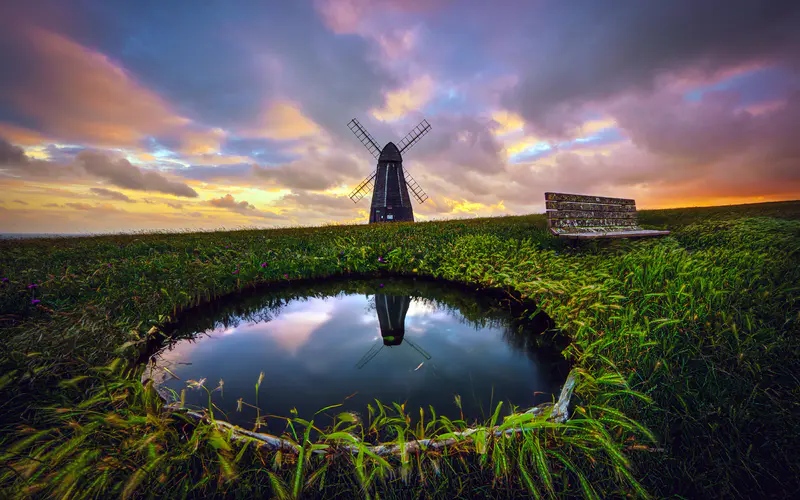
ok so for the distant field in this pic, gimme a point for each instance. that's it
(686, 350)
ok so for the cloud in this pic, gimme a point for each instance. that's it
(52, 205)
(282, 121)
(176, 206)
(507, 122)
(11, 154)
(714, 140)
(460, 143)
(121, 173)
(202, 142)
(228, 202)
(585, 52)
(236, 173)
(21, 135)
(101, 209)
(80, 206)
(114, 195)
(21, 202)
(13, 159)
(316, 203)
(317, 171)
(242, 207)
(78, 94)
(403, 101)
(347, 16)
(117, 171)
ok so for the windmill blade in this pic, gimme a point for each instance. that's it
(373, 351)
(417, 191)
(367, 140)
(414, 136)
(418, 349)
(363, 189)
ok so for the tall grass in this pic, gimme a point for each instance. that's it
(685, 347)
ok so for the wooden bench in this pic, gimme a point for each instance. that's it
(583, 217)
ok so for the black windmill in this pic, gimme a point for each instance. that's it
(390, 182)
(391, 311)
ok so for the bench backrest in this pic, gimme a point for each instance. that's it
(574, 213)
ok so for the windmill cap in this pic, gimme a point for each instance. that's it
(390, 153)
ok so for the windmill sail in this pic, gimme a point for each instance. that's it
(366, 139)
(417, 191)
(414, 136)
(363, 189)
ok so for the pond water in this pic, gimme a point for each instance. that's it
(350, 343)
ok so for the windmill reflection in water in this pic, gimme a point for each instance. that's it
(391, 311)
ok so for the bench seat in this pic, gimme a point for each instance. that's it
(585, 217)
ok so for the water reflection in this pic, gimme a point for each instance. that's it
(392, 319)
(352, 343)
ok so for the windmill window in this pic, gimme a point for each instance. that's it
(390, 217)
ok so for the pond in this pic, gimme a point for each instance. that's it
(418, 342)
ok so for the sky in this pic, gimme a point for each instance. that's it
(151, 115)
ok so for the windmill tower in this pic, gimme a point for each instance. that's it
(392, 311)
(390, 182)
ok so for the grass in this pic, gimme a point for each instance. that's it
(686, 351)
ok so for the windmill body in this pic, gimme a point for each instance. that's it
(390, 199)
(392, 317)
(391, 185)
(392, 310)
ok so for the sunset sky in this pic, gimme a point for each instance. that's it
(135, 115)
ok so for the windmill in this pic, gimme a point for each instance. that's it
(392, 311)
(390, 182)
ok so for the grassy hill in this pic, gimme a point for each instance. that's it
(685, 347)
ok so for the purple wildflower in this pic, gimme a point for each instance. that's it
(263, 264)
(381, 285)
(32, 286)
(235, 272)
(227, 246)
(109, 265)
(35, 301)
(380, 259)
(341, 253)
(286, 276)
(5, 280)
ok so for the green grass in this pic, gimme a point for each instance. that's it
(686, 352)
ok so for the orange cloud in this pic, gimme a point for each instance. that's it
(21, 136)
(201, 143)
(284, 121)
(400, 102)
(508, 122)
(80, 95)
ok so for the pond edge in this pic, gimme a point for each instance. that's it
(558, 414)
